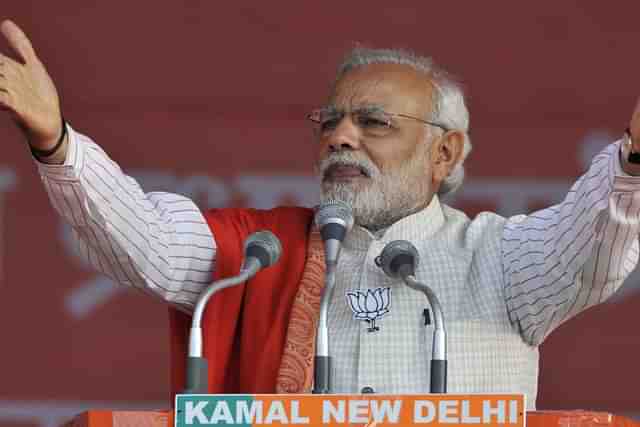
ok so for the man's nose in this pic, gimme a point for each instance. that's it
(346, 136)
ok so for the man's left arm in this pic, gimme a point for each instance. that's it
(566, 258)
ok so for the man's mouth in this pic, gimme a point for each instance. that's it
(344, 172)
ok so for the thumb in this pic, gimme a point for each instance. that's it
(18, 41)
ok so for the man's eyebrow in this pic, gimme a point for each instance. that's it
(331, 108)
(370, 108)
(364, 107)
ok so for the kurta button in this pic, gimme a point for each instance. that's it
(367, 390)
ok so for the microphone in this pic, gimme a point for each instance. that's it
(334, 219)
(399, 260)
(261, 249)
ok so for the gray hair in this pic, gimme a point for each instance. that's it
(448, 108)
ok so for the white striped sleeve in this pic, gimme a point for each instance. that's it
(566, 258)
(157, 242)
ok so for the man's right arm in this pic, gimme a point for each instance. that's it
(156, 242)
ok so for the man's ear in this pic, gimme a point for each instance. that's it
(446, 152)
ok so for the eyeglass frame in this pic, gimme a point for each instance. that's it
(344, 113)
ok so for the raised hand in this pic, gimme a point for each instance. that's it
(27, 91)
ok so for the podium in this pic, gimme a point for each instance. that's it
(577, 418)
(106, 418)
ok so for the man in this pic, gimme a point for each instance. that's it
(391, 139)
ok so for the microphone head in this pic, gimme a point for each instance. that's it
(338, 216)
(398, 259)
(264, 246)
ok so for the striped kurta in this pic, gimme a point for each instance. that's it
(504, 283)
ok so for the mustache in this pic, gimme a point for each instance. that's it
(366, 166)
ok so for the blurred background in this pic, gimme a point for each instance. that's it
(208, 99)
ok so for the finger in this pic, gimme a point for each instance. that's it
(8, 63)
(9, 74)
(18, 41)
(4, 82)
(5, 101)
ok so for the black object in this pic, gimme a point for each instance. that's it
(321, 375)
(367, 390)
(197, 376)
(438, 376)
(333, 231)
(398, 259)
(47, 153)
(427, 316)
(259, 252)
(634, 158)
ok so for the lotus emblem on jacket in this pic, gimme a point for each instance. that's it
(369, 305)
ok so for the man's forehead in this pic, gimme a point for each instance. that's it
(382, 85)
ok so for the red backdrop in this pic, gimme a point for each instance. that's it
(208, 99)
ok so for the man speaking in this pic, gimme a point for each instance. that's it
(391, 139)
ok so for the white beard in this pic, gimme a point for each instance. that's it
(384, 197)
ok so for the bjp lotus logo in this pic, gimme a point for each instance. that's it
(369, 305)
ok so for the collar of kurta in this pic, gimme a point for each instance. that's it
(420, 225)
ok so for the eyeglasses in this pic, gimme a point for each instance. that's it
(373, 122)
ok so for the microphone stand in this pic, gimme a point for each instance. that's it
(322, 360)
(334, 219)
(439, 347)
(197, 376)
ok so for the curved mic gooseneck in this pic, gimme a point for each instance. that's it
(262, 249)
(399, 260)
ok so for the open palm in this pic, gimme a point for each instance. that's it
(27, 91)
